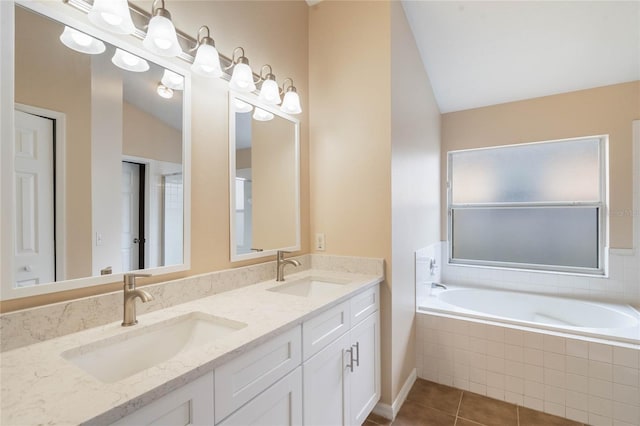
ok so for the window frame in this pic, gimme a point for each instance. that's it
(602, 207)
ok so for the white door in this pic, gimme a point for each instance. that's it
(325, 385)
(130, 215)
(364, 382)
(34, 203)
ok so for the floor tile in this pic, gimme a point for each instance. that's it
(530, 417)
(414, 414)
(487, 411)
(378, 420)
(434, 395)
(465, 422)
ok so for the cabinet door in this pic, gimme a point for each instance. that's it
(280, 405)
(325, 387)
(364, 381)
(192, 404)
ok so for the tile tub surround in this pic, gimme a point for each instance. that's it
(40, 387)
(28, 326)
(585, 381)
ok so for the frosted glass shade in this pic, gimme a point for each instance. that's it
(129, 62)
(164, 91)
(242, 106)
(242, 78)
(172, 80)
(112, 15)
(81, 42)
(291, 103)
(161, 37)
(262, 115)
(270, 92)
(207, 62)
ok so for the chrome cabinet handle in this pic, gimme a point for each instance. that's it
(357, 360)
(350, 365)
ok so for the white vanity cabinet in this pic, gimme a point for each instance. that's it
(341, 381)
(192, 404)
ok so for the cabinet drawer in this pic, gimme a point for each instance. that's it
(364, 304)
(323, 329)
(244, 377)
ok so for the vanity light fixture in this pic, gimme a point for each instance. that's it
(242, 77)
(269, 91)
(172, 80)
(112, 15)
(161, 37)
(129, 62)
(164, 91)
(207, 60)
(81, 42)
(291, 102)
(242, 106)
(261, 115)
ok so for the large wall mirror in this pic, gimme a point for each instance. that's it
(264, 153)
(95, 168)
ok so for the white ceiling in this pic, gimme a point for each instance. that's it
(483, 53)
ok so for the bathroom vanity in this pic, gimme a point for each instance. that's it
(306, 351)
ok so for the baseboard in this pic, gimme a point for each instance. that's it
(391, 411)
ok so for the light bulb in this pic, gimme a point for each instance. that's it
(270, 92)
(242, 106)
(164, 91)
(81, 42)
(161, 37)
(262, 115)
(172, 80)
(112, 15)
(291, 102)
(129, 62)
(207, 61)
(242, 78)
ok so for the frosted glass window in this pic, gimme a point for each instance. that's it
(533, 206)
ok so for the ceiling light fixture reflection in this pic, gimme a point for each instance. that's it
(164, 91)
(129, 62)
(269, 91)
(207, 60)
(81, 42)
(161, 37)
(242, 106)
(112, 15)
(291, 102)
(172, 80)
(262, 115)
(242, 77)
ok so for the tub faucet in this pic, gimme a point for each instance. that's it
(281, 262)
(130, 295)
(438, 285)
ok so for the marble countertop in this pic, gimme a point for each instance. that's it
(39, 386)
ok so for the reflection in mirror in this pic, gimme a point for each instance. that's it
(99, 159)
(264, 153)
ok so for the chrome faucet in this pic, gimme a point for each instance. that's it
(438, 285)
(281, 262)
(130, 295)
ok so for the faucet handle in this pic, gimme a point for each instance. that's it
(130, 278)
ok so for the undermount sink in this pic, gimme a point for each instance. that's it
(124, 355)
(311, 287)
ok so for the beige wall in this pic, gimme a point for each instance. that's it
(143, 135)
(65, 87)
(415, 174)
(350, 139)
(604, 110)
(273, 32)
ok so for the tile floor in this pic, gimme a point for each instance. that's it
(432, 404)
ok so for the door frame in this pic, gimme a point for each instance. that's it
(59, 175)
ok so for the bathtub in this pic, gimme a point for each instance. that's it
(603, 321)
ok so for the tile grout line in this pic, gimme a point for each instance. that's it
(517, 414)
(458, 410)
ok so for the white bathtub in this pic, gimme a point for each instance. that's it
(604, 321)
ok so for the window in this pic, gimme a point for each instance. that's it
(533, 206)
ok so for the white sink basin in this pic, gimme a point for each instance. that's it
(311, 287)
(119, 357)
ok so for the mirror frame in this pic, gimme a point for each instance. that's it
(253, 100)
(67, 15)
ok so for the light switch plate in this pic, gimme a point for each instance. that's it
(320, 246)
